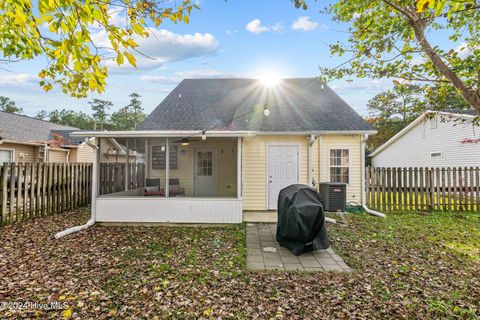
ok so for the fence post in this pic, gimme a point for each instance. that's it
(367, 186)
(4, 180)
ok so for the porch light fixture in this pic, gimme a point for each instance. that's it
(204, 135)
(185, 142)
(266, 111)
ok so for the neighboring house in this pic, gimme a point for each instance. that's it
(435, 139)
(26, 139)
(229, 145)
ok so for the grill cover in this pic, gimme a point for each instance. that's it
(301, 222)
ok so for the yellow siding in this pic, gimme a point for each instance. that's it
(353, 143)
(226, 160)
(58, 156)
(72, 157)
(255, 167)
(85, 153)
(22, 152)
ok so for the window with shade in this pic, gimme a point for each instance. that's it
(6, 155)
(339, 165)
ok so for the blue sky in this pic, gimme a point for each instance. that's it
(234, 38)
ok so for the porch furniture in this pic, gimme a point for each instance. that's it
(152, 188)
(175, 189)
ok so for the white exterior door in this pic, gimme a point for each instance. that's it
(282, 171)
(204, 173)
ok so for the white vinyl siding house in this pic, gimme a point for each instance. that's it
(432, 140)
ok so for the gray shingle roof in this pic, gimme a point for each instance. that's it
(219, 104)
(24, 128)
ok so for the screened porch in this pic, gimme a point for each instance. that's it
(172, 179)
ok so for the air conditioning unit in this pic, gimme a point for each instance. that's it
(333, 196)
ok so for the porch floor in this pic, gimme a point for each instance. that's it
(264, 253)
(260, 216)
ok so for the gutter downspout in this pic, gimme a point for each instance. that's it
(364, 206)
(311, 141)
(90, 222)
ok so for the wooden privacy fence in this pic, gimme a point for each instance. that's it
(449, 189)
(30, 190)
(112, 177)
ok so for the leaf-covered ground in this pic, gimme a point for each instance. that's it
(407, 266)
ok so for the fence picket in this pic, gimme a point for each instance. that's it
(32, 188)
(24, 182)
(477, 189)
(29, 190)
(4, 181)
(470, 189)
(394, 189)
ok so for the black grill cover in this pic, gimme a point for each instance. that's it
(301, 222)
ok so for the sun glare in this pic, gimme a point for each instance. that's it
(269, 79)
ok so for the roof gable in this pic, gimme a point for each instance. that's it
(415, 123)
(237, 105)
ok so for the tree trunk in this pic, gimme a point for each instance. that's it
(470, 96)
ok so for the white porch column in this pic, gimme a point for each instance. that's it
(95, 177)
(146, 160)
(239, 167)
(167, 168)
(127, 171)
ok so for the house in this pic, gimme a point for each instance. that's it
(27, 139)
(230, 145)
(434, 139)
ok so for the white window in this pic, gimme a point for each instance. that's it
(436, 154)
(6, 155)
(339, 165)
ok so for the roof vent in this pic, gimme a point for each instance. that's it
(179, 96)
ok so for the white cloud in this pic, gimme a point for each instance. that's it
(164, 46)
(188, 74)
(18, 79)
(160, 79)
(464, 49)
(368, 86)
(277, 27)
(230, 33)
(202, 73)
(304, 23)
(255, 26)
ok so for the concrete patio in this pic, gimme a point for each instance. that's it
(264, 253)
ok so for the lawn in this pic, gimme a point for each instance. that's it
(407, 266)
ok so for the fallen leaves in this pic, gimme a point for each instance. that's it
(403, 269)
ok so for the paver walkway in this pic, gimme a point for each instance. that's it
(264, 253)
